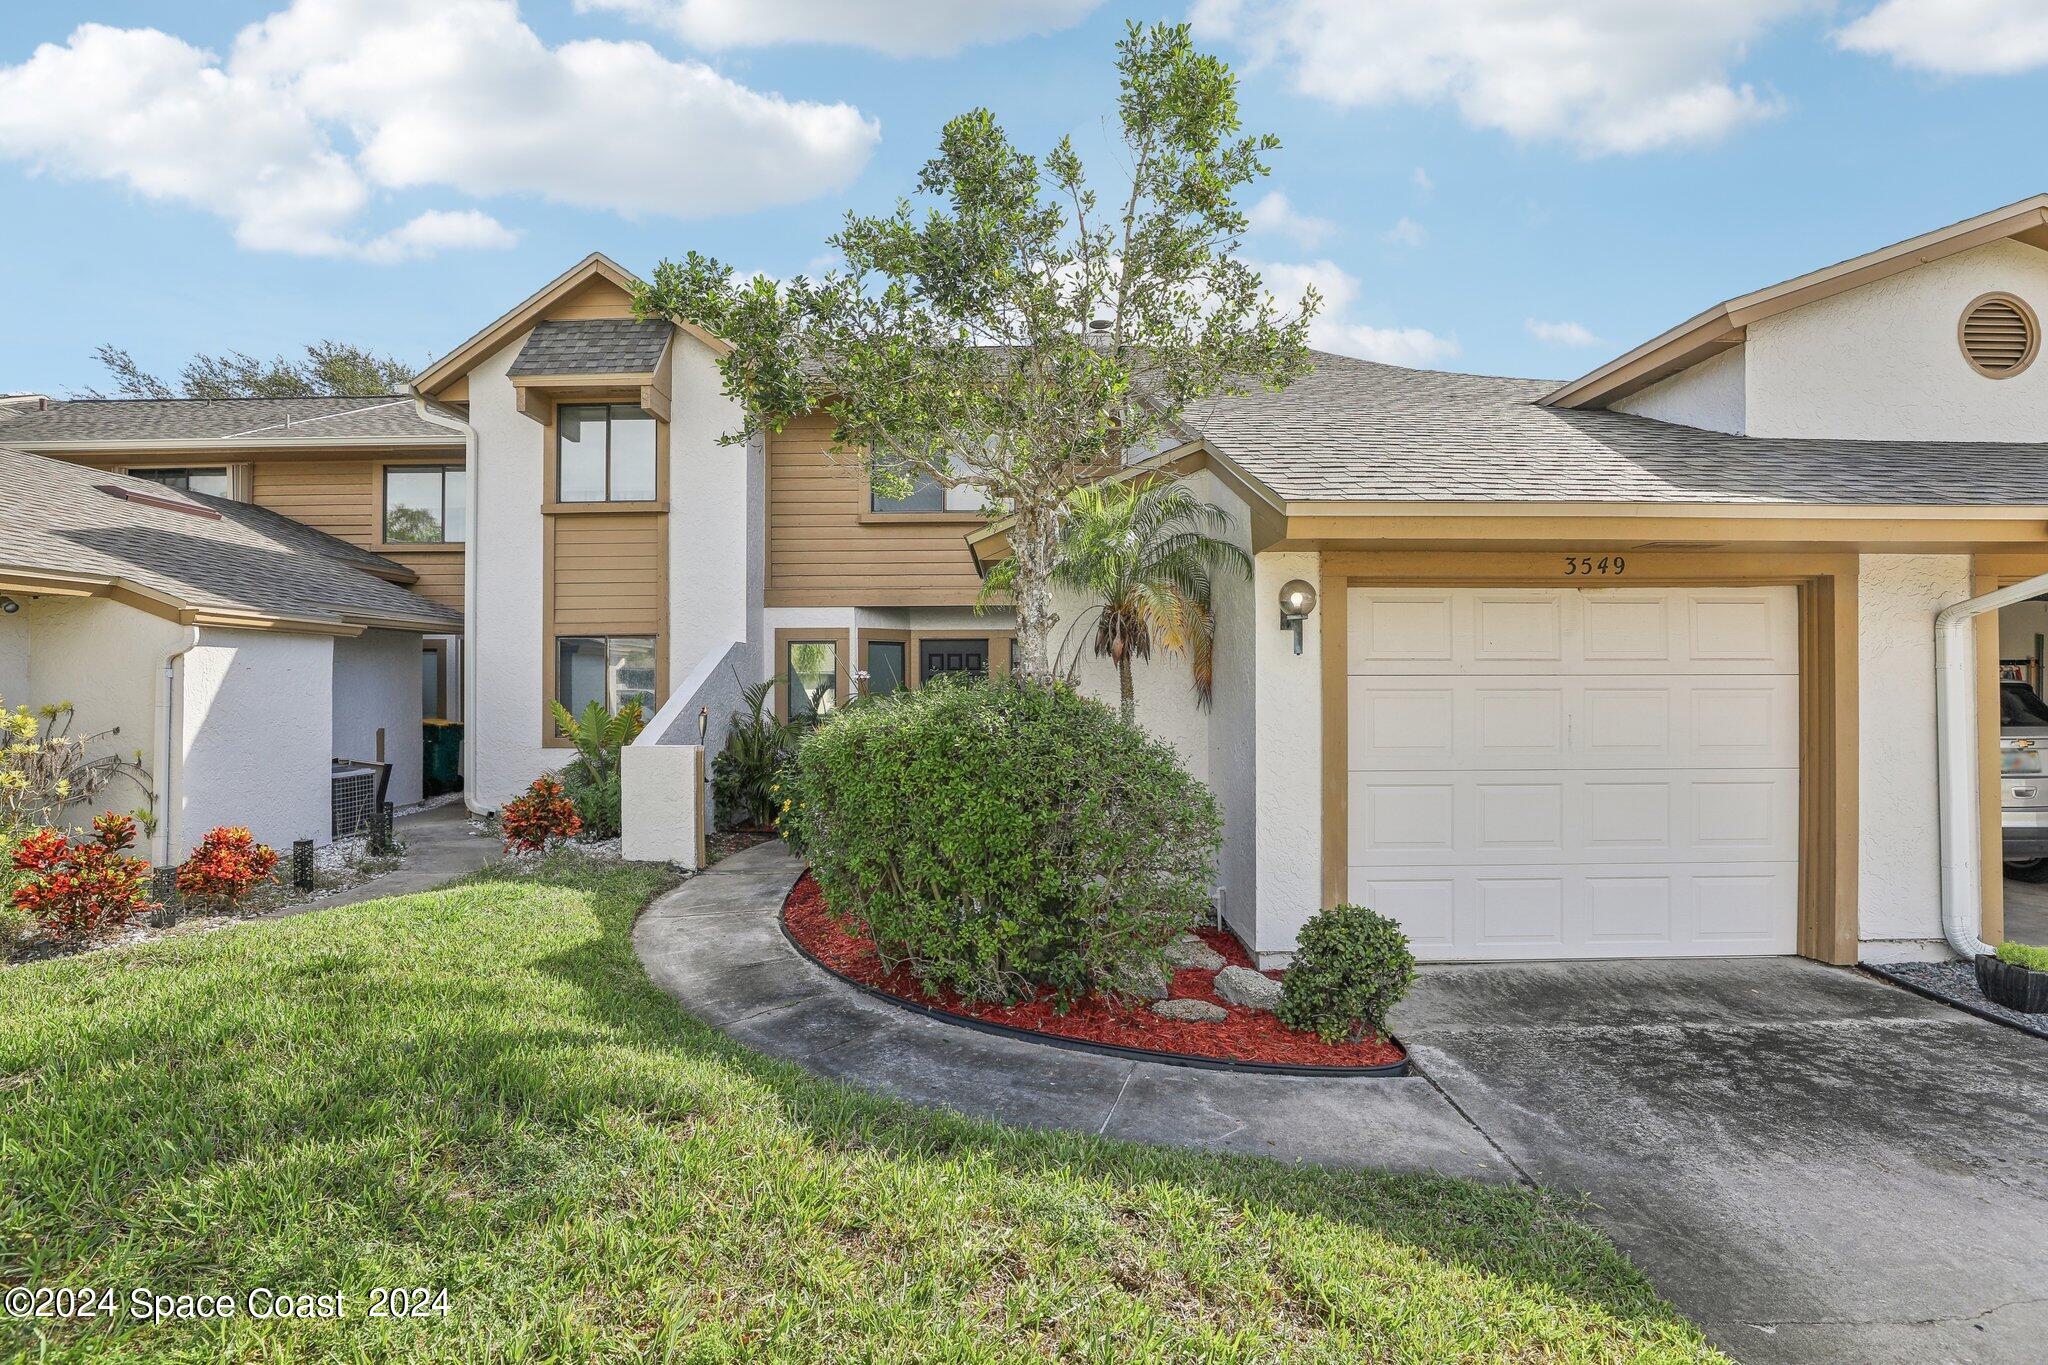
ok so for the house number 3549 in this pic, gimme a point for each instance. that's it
(1579, 565)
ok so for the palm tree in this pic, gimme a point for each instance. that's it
(1147, 555)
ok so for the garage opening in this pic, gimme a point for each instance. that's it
(2023, 768)
(1573, 773)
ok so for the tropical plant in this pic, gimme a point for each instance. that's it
(74, 888)
(1001, 837)
(543, 816)
(1146, 554)
(592, 779)
(1351, 967)
(45, 769)
(226, 866)
(757, 745)
(1013, 334)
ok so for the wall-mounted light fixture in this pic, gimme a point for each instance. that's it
(1297, 601)
(9, 605)
(703, 722)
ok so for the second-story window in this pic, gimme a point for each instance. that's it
(212, 481)
(425, 505)
(925, 494)
(604, 453)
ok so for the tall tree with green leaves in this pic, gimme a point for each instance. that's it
(329, 369)
(1146, 555)
(1015, 332)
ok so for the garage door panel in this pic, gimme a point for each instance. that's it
(1563, 773)
(1519, 912)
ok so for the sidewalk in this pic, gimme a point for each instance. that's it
(439, 847)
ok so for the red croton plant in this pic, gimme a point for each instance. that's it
(227, 863)
(76, 887)
(542, 816)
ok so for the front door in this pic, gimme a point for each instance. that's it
(937, 657)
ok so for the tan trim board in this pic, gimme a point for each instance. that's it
(1333, 599)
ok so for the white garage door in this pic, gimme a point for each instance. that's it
(1576, 773)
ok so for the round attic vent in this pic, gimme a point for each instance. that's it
(2000, 336)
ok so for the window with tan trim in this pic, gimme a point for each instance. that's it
(612, 669)
(604, 452)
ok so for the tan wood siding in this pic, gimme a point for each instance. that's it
(821, 552)
(335, 496)
(440, 574)
(607, 574)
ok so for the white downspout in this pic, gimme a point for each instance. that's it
(445, 417)
(165, 760)
(1955, 748)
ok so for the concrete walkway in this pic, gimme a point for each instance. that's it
(716, 944)
(439, 847)
(1813, 1165)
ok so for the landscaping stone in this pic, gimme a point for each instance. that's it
(1146, 980)
(1191, 1011)
(1189, 951)
(1243, 986)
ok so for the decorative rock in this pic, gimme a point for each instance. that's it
(1191, 1011)
(1147, 981)
(1189, 951)
(1243, 986)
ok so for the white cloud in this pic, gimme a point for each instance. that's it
(1600, 75)
(1560, 333)
(1423, 184)
(322, 104)
(1953, 37)
(1276, 215)
(438, 230)
(898, 28)
(1405, 232)
(1334, 329)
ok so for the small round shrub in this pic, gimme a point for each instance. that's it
(76, 887)
(1351, 968)
(1001, 837)
(2024, 955)
(225, 867)
(543, 816)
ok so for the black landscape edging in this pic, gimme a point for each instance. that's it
(1953, 1002)
(1383, 1071)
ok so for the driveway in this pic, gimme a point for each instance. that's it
(1812, 1164)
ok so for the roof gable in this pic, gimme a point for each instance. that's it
(1726, 324)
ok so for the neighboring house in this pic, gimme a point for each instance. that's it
(370, 471)
(234, 651)
(1635, 665)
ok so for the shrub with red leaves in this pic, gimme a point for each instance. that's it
(539, 818)
(74, 888)
(227, 863)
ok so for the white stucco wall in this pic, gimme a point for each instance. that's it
(377, 687)
(103, 658)
(1232, 722)
(256, 720)
(1710, 395)
(714, 544)
(504, 724)
(1288, 764)
(1881, 362)
(14, 660)
(1899, 842)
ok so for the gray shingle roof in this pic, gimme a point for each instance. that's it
(248, 421)
(55, 519)
(593, 346)
(1357, 431)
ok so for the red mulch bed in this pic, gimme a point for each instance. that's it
(1245, 1036)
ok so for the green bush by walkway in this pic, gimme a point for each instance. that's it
(478, 1089)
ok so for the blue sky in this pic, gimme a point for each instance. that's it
(1503, 186)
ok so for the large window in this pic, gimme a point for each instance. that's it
(812, 669)
(212, 481)
(604, 453)
(425, 505)
(612, 669)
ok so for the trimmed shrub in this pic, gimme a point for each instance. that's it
(999, 837)
(1351, 968)
(74, 888)
(541, 817)
(226, 866)
(2024, 955)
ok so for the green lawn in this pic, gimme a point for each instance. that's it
(476, 1089)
